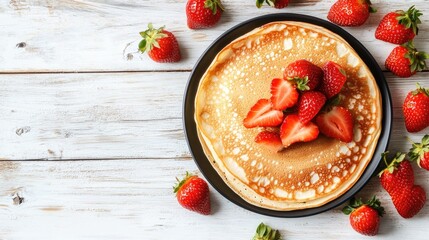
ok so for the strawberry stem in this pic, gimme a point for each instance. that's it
(399, 157)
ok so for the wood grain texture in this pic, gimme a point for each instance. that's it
(122, 115)
(94, 155)
(93, 35)
(133, 199)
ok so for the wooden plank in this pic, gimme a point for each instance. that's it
(122, 115)
(90, 35)
(128, 199)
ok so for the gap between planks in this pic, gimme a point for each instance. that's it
(125, 71)
(95, 72)
(179, 158)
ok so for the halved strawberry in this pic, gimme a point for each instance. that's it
(333, 79)
(283, 94)
(270, 139)
(263, 115)
(309, 105)
(337, 123)
(292, 131)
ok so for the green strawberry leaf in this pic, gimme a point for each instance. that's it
(213, 5)
(301, 83)
(410, 18)
(417, 58)
(259, 3)
(142, 45)
(390, 167)
(150, 37)
(265, 232)
(417, 150)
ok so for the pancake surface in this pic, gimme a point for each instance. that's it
(304, 175)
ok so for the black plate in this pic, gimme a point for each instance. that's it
(191, 131)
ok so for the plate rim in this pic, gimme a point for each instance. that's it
(196, 149)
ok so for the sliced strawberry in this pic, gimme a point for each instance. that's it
(283, 94)
(309, 105)
(270, 139)
(337, 123)
(292, 131)
(263, 115)
(334, 78)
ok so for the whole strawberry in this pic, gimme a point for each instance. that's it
(334, 78)
(305, 74)
(350, 12)
(419, 152)
(309, 105)
(273, 3)
(405, 60)
(161, 45)
(397, 175)
(399, 27)
(365, 217)
(203, 13)
(416, 109)
(398, 180)
(265, 232)
(193, 194)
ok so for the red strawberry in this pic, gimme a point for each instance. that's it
(270, 139)
(350, 12)
(292, 131)
(203, 13)
(398, 180)
(416, 109)
(193, 194)
(337, 123)
(399, 27)
(419, 152)
(405, 60)
(333, 79)
(365, 217)
(283, 94)
(309, 105)
(262, 115)
(160, 44)
(274, 3)
(305, 74)
(397, 175)
(408, 202)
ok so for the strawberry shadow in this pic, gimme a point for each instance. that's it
(215, 203)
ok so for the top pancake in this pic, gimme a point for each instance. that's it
(304, 175)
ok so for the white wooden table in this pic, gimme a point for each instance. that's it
(91, 135)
